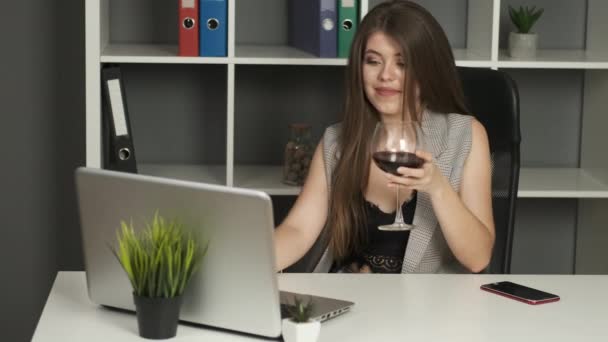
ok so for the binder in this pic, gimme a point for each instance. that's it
(348, 22)
(213, 27)
(188, 28)
(120, 152)
(312, 27)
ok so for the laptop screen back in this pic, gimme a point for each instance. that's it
(236, 279)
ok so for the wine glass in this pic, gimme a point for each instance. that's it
(394, 144)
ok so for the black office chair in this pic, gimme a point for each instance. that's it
(492, 97)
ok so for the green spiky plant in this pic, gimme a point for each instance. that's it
(300, 311)
(160, 259)
(524, 18)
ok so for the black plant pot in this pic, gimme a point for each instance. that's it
(157, 317)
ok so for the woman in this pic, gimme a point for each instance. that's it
(400, 66)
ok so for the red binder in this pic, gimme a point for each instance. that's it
(188, 28)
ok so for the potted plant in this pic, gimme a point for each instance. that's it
(523, 43)
(299, 327)
(159, 262)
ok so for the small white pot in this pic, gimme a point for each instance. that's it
(300, 332)
(523, 45)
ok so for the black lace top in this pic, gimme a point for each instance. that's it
(385, 249)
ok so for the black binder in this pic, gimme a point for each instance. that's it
(119, 154)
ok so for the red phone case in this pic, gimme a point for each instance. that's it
(523, 300)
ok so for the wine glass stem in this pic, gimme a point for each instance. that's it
(398, 213)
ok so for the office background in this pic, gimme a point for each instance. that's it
(42, 108)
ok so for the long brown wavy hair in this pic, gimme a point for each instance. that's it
(429, 64)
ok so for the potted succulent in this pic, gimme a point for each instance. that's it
(159, 262)
(299, 327)
(523, 43)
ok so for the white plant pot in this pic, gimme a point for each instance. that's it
(522, 45)
(300, 332)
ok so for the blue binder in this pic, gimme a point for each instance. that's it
(213, 28)
(312, 26)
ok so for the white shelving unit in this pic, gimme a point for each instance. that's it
(587, 183)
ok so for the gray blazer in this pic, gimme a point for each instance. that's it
(449, 137)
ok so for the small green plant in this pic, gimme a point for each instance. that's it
(524, 18)
(300, 312)
(160, 259)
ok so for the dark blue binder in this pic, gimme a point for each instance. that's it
(213, 28)
(312, 27)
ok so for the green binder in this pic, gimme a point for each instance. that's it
(348, 20)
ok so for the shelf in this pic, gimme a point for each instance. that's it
(152, 53)
(560, 183)
(249, 54)
(286, 55)
(533, 182)
(280, 54)
(556, 59)
(472, 58)
(263, 177)
(212, 174)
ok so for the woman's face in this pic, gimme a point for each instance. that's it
(384, 75)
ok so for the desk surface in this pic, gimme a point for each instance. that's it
(388, 308)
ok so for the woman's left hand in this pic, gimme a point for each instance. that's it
(427, 178)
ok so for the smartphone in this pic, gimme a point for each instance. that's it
(521, 293)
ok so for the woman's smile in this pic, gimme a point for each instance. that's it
(386, 91)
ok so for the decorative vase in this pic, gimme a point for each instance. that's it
(522, 45)
(157, 318)
(300, 332)
(298, 154)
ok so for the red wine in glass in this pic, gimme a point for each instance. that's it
(394, 145)
(389, 161)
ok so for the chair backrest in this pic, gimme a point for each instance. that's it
(492, 97)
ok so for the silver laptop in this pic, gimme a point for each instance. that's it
(236, 285)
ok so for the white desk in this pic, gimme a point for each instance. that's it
(388, 308)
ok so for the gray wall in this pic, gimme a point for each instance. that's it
(41, 103)
(69, 128)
